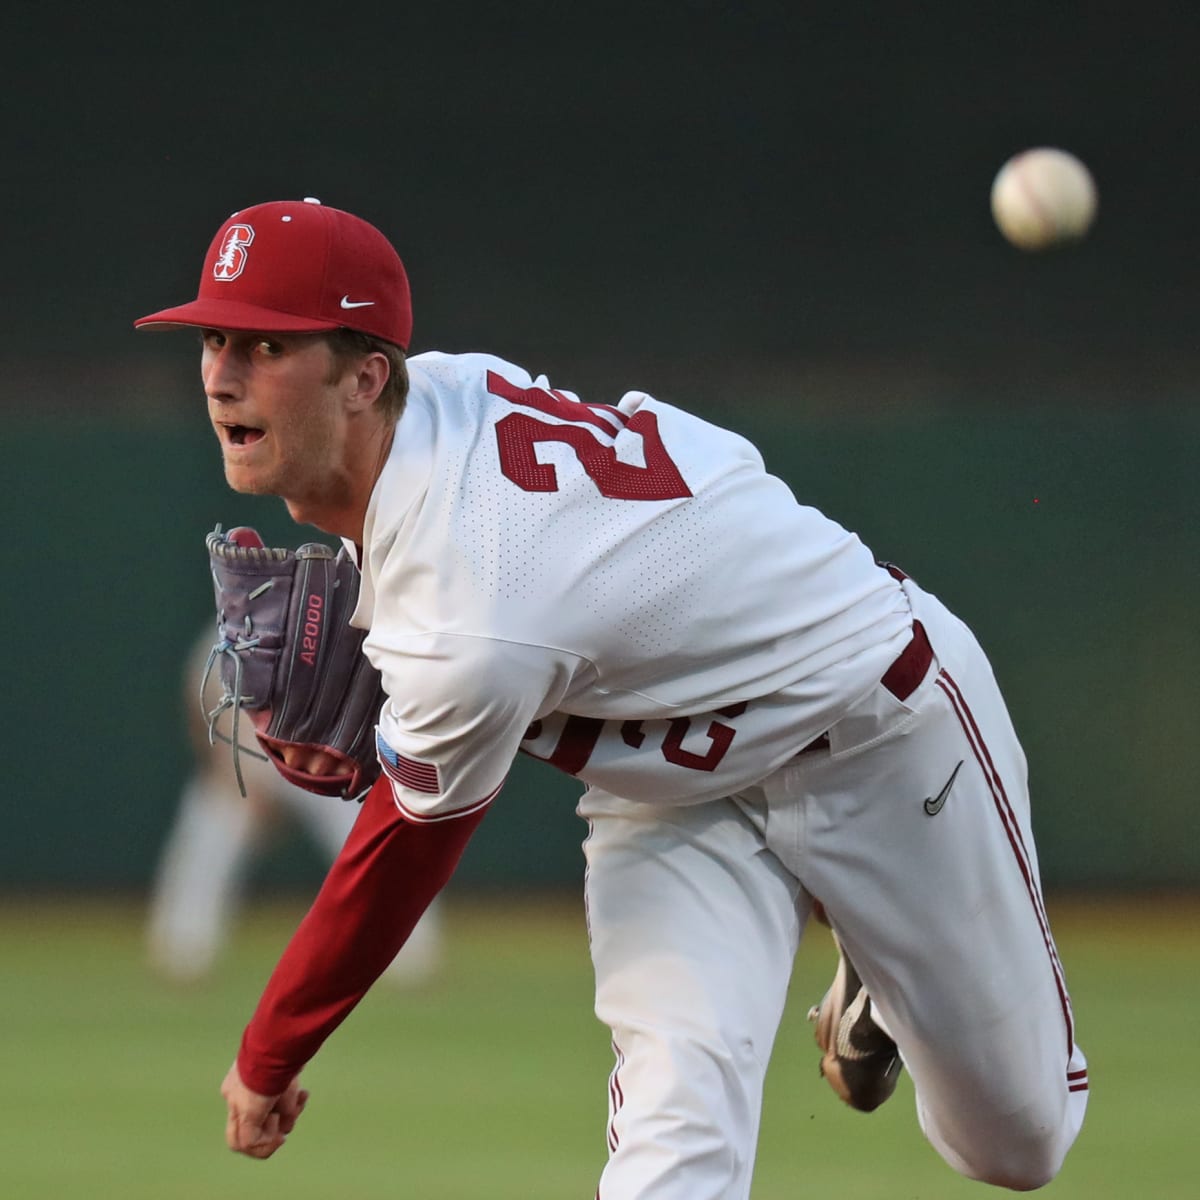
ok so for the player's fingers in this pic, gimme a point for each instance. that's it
(289, 1108)
(265, 1140)
(321, 763)
(271, 1137)
(252, 1123)
(247, 1136)
(311, 761)
(240, 1136)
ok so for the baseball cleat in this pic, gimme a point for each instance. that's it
(860, 1062)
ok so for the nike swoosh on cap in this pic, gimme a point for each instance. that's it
(348, 303)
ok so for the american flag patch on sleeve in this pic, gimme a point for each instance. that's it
(407, 772)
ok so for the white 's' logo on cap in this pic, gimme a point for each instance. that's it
(231, 262)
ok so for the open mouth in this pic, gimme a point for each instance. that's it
(243, 435)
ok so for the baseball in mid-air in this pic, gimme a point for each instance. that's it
(1043, 197)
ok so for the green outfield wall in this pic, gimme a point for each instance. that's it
(1068, 537)
(776, 214)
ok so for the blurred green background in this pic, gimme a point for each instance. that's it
(773, 214)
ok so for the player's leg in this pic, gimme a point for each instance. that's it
(201, 866)
(921, 848)
(329, 821)
(693, 927)
(196, 881)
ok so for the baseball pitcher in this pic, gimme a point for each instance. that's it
(765, 722)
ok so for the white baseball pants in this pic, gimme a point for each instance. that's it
(695, 914)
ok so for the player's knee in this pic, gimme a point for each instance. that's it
(1022, 1158)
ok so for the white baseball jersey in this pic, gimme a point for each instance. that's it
(622, 591)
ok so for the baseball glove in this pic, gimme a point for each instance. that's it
(290, 658)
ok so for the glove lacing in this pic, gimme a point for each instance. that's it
(232, 697)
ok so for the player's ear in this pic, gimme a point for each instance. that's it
(370, 377)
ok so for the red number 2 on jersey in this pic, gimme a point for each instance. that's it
(518, 433)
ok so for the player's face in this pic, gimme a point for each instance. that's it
(275, 407)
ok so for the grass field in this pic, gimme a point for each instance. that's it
(491, 1081)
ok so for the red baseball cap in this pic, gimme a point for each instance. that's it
(296, 266)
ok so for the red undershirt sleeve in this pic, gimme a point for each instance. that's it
(379, 885)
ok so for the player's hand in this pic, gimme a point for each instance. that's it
(312, 762)
(258, 1125)
(309, 759)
